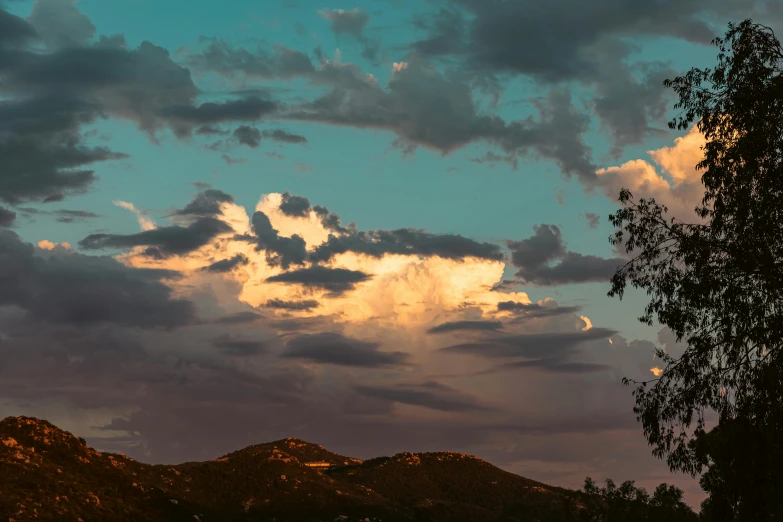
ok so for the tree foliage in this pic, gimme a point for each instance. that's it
(625, 503)
(717, 283)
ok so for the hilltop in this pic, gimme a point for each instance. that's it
(49, 474)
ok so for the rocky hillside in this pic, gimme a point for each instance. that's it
(48, 474)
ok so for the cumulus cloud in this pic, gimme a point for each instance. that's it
(533, 256)
(677, 185)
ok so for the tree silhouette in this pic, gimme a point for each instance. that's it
(717, 283)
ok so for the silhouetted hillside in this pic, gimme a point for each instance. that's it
(48, 474)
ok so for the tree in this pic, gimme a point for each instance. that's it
(716, 283)
(626, 503)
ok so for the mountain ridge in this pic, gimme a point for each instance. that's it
(49, 474)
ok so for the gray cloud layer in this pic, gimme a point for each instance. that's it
(332, 348)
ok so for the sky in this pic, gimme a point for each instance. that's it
(379, 226)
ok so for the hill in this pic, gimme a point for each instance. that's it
(49, 474)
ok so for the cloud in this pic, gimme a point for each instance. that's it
(531, 345)
(238, 318)
(247, 136)
(533, 255)
(238, 347)
(679, 185)
(66, 287)
(207, 203)
(184, 117)
(556, 365)
(284, 136)
(69, 216)
(455, 326)
(280, 304)
(332, 348)
(378, 243)
(231, 62)
(163, 241)
(53, 198)
(7, 217)
(280, 250)
(429, 395)
(60, 23)
(414, 287)
(425, 108)
(145, 222)
(335, 280)
(593, 220)
(226, 265)
(558, 43)
(352, 23)
(542, 309)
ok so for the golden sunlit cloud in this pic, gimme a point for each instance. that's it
(588, 323)
(45, 244)
(678, 187)
(403, 290)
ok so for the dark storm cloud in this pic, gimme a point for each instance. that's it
(280, 250)
(335, 280)
(280, 304)
(406, 241)
(531, 345)
(238, 347)
(7, 217)
(51, 91)
(425, 108)
(560, 41)
(164, 241)
(14, 30)
(430, 395)
(533, 256)
(220, 57)
(41, 150)
(83, 290)
(227, 265)
(332, 348)
(352, 23)
(206, 204)
(455, 326)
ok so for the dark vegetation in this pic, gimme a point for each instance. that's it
(717, 283)
(48, 474)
